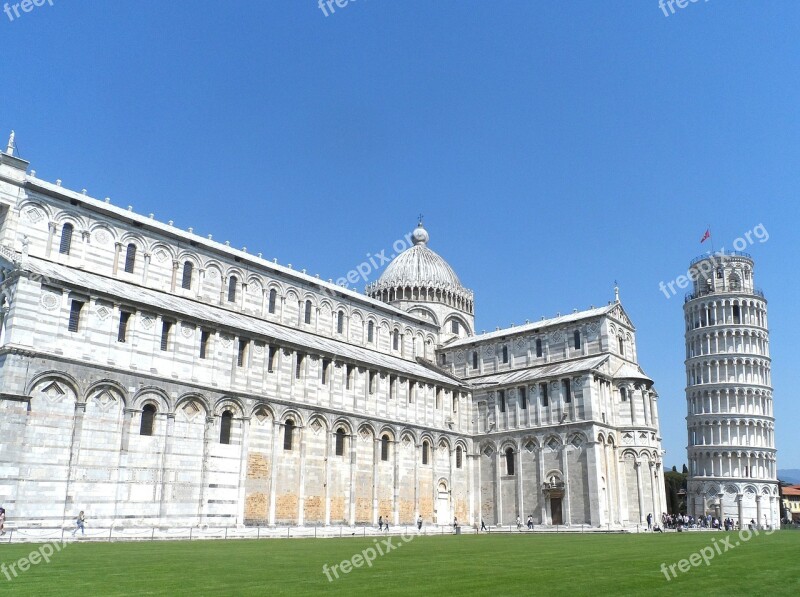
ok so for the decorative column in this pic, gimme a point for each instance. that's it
(209, 425)
(164, 472)
(395, 480)
(498, 494)
(654, 491)
(567, 492)
(540, 462)
(353, 459)
(243, 455)
(301, 491)
(593, 474)
(201, 276)
(74, 451)
(518, 471)
(376, 458)
(85, 236)
(51, 231)
(637, 464)
(759, 520)
(329, 437)
(740, 508)
(117, 249)
(174, 280)
(276, 433)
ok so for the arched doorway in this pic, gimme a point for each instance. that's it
(443, 505)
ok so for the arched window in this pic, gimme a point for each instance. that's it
(509, 461)
(425, 452)
(66, 239)
(621, 346)
(396, 340)
(186, 280)
(385, 448)
(340, 442)
(148, 417)
(273, 297)
(623, 394)
(288, 431)
(371, 332)
(307, 317)
(577, 339)
(130, 258)
(340, 322)
(459, 457)
(232, 282)
(225, 427)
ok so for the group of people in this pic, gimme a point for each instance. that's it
(683, 521)
(382, 524)
(528, 523)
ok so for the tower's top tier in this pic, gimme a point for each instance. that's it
(722, 273)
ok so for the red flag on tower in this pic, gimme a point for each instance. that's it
(706, 236)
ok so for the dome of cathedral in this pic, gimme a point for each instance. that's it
(419, 266)
(418, 273)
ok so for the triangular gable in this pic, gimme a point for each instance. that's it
(618, 312)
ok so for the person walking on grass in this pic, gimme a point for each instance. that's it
(79, 522)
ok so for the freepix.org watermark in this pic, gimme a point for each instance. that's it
(17, 9)
(705, 268)
(365, 556)
(374, 262)
(708, 553)
(329, 6)
(671, 4)
(43, 554)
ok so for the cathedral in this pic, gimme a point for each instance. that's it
(155, 377)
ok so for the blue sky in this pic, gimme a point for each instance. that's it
(553, 147)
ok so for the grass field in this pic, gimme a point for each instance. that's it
(516, 564)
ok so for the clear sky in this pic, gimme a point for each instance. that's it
(553, 147)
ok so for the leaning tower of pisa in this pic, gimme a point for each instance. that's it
(731, 424)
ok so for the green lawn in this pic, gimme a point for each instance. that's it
(516, 564)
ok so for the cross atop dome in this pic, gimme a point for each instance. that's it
(420, 236)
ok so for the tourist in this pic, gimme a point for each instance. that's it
(419, 523)
(380, 523)
(79, 522)
(650, 522)
(387, 524)
(483, 526)
(2, 520)
(519, 523)
(455, 524)
(530, 522)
